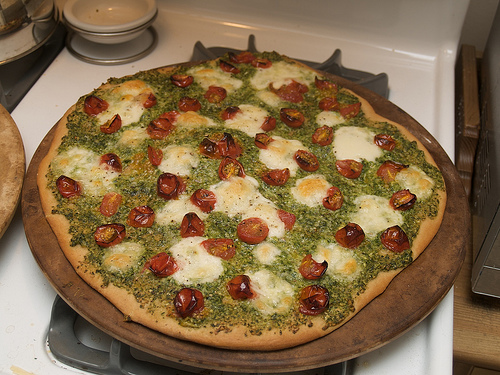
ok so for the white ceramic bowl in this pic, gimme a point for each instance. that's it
(109, 21)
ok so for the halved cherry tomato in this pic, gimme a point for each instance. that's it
(292, 92)
(150, 101)
(268, 124)
(313, 300)
(287, 218)
(192, 226)
(110, 204)
(323, 136)
(229, 167)
(171, 116)
(324, 84)
(349, 168)
(112, 125)
(155, 155)
(395, 239)
(68, 187)
(385, 142)
(159, 128)
(244, 57)
(162, 265)
(188, 302)
(312, 270)
(215, 94)
(109, 234)
(228, 67)
(334, 199)
(220, 247)
(261, 63)
(350, 111)
(219, 145)
(230, 112)
(262, 140)
(350, 236)
(389, 169)
(239, 288)
(252, 230)
(94, 105)
(306, 160)
(169, 186)
(112, 162)
(204, 199)
(141, 217)
(181, 80)
(187, 104)
(402, 200)
(276, 177)
(329, 104)
(292, 117)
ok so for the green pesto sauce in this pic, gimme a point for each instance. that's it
(316, 225)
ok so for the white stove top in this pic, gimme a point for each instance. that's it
(414, 43)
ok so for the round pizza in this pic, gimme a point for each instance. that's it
(247, 202)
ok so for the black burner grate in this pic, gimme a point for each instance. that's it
(378, 83)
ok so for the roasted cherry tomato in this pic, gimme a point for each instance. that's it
(239, 288)
(110, 204)
(204, 199)
(215, 94)
(68, 187)
(181, 80)
(261, 63)
(188, 302)
(220, 247)
(228, 67)
(351, 110)
(268, 124)
(292, 92)
(187, 104)
(229, 167)
(395, 239)
(112, 125)
(324, 84)
(385, 142)
(109, 234)
(150, 101)
(323, 136)
(389, 169)
(334, 199)
(312, 270)
(402, 200)
(155, 155)
(94, 105)
(171, 116)
(244, 57)
(141, 217)
(230, 112)
(262, 140)
(287, 218)
(192, 226)
(159, 128)
(292, 117)
(276, 177)
(252, 230)
(306, 160)
(162, 265)
(112, 162)
(313, 300)
(170, 186)
(350, 236)
(329, 104)
(349, 168)
(219, 145)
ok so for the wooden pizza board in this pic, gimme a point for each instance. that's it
(13, 168)
(409, 298)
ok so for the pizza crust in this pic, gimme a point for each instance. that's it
(238, 338)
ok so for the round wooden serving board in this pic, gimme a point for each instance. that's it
(13, 168)
(409, 298)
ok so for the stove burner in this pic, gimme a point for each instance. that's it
(378, 83)
(114, 357)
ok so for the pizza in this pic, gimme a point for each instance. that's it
(247, 202)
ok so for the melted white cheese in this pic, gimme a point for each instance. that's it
(122, 256)
(266, 252)
(132, 137)
(417, 181)
(174, 210)
(341, 262)
(249, 120)
(179, 160)
(274, 294)
(279, 74)
(191, 120)
(279, 154)
(311, 190)
(375, 214)
(329, 118)
(352, 142)
(207, 77)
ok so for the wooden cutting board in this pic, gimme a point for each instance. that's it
(410, 297)
(13, 168)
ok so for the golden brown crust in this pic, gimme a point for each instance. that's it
(237, 338)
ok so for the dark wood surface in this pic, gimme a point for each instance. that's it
(409, 298)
